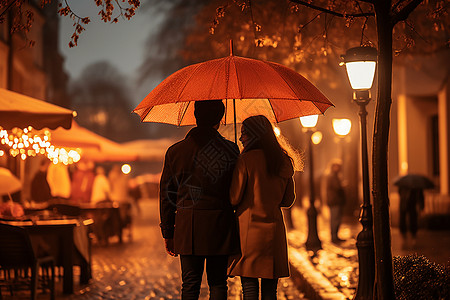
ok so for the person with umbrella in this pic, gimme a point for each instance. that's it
(246, 87)
(197, 219)
(410, 189)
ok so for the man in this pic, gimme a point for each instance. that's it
(197, 220)
(335, 199)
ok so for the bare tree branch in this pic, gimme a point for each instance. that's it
(403, 14)
(8, 7)
(397, 4)
(304, 25)
(331, 12)
(368, 1)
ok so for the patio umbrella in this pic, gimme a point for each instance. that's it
(17, 110)
(246, 86)
(94, 146)
(414, 181)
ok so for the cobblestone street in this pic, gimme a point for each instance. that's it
(141, 269)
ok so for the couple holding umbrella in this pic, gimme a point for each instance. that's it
(216, 205)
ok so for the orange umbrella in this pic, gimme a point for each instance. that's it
(17, 110)
(247, 86)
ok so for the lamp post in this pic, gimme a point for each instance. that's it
(312, 242)
(360, 63)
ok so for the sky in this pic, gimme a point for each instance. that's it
(120, 44)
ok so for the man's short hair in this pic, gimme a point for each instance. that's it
(209, 112)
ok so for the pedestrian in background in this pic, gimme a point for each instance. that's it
(82, 182)
(262, 184)
(40, 189)
(197, 220)
(411, 200)
(335, 198)
(59, 180)
(119, 184)
(101, 189)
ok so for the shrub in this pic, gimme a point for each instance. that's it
(415, 277)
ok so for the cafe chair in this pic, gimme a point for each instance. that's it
(20, 268)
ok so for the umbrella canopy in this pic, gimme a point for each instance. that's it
(94, 147)
(17, 110)
(150, 150)
(8, 182)
(76, 137)
(247, 86)
(414, 181)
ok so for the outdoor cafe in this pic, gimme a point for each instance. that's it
(44, 242)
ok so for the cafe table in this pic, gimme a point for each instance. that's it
(100, 212)
(67, 241)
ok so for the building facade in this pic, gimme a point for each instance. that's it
(420, 128)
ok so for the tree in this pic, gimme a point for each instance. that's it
(101, 97)
(21, 14)
(163, 57)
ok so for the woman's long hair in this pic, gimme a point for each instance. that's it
(260, 133)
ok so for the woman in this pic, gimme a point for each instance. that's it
(262, 183)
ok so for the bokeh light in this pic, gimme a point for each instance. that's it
(316, 137)
(126, 169)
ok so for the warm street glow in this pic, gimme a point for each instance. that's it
(342, 127)
(126, 169)
(29, 142)
(309, 121)
(57, 155)
(277, 131)
(25, 142)
(316, 137)
(361, 74)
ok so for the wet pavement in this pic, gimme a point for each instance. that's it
(140, 269)
(332, 273)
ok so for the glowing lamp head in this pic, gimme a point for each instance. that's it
(342, 127)
(360, 63)
(309, 121)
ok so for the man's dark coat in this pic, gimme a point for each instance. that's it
(195, 207)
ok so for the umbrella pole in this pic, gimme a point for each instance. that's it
(234, 116)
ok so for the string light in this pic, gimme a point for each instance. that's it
(29, 142)
(57, 155)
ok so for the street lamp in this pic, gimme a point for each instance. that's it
(360, 63)
(312, 242)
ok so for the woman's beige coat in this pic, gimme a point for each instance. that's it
(258, 198)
